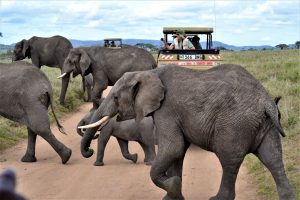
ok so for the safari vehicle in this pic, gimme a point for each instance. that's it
(113, 42)
(201, 58)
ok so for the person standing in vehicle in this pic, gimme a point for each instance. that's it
(180, 42)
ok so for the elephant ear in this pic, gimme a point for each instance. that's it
(25, 48)
(148, 92)
(84, 62)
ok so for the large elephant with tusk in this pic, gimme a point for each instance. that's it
(224, 110)
(106, 65)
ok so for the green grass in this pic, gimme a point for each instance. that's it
(279, 72)
(11, 132)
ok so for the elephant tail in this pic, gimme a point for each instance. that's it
(271, 111)
(60, 127)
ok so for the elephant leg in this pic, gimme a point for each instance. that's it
(270, 154)
(125, 152)
(100, 84)
(64, 86)
(171, 147)
(230, 167)
(176, 168)
(30, 152)
(39, 124)
(149, 151)
(36, 61)
(102, 141)
(89, 93)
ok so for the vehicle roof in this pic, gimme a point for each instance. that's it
(188, 30)
(110, 39)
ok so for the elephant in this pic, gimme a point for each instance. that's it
(88, 85)
(224, 110)
(129, 130)
(50, 51)
(26, 94)
(8, 186)
(106, 65)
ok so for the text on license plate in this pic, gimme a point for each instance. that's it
(190, 57)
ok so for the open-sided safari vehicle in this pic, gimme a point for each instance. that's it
(113, 42)
(201, 58)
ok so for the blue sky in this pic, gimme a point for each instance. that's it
(236, 22)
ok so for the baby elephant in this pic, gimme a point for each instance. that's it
(26, 94)
(130, 130)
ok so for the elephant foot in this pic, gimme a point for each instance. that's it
(148, 163)
(98, 163)
(134, 158)
(62, 103)
(167, 197)
(65, 156)
(28, 158)
(173, 188)
(220, 197)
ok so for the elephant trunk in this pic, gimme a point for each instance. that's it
(86, 142)
(79, 131)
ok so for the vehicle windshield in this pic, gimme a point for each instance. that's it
(199, 41)
(112, 43)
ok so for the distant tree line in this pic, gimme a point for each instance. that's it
(147, 46)
(279, 46)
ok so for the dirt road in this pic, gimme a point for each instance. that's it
(117, 179)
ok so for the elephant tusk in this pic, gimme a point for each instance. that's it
(98, 123)
(62, 75)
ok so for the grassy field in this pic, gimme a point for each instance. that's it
(11, 132)
(279, 72)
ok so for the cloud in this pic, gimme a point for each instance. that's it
(247, 20)
(266, 39)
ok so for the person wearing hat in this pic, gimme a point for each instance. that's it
(179, 42)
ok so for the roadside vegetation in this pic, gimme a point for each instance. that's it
(279, 72)
(11, 132)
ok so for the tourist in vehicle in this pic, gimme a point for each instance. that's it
(112, 44)
(180, 42)
(196, 42)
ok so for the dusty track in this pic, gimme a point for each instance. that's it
(117, 179)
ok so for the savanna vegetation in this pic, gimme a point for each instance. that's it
(278, 71)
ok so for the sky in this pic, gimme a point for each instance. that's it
(240, 23)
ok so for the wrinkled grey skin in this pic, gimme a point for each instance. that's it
(224, 110)
(106, 65)
(26, 94)
(50, 51)
(88, 85)
(129, 130)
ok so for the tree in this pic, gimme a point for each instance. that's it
(221, 48)
(1, 35)
(282, 46)
(297, 44)
(146, 46)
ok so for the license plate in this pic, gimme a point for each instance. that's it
(190, 57)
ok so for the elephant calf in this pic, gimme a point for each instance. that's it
(130, 130)
(26, 94)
